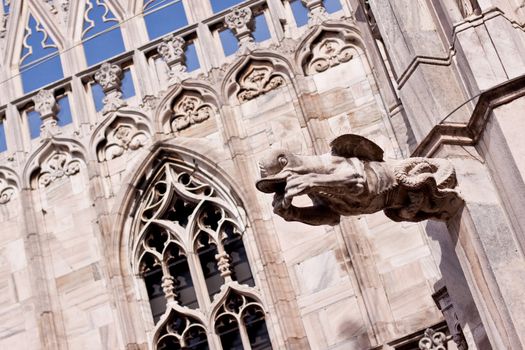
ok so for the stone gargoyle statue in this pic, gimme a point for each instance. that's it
(354, 179)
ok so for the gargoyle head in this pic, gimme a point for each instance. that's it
(275, 168)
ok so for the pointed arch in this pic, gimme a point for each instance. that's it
(255, 74)
(127, 129)
(187, 103)
(54, 158)
(327, 45)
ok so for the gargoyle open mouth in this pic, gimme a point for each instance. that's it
(276, 183)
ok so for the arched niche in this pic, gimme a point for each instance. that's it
(122, 131)
(187, 104)
(55, 159)
(255, 75)
(326, 46)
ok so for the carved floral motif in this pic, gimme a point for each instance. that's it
(172, 52)
(124, 137)
(45, 103)
(316, 12)
(329, 52)
(57, 166)
(258, 80)
(240, 21)
(188, 111)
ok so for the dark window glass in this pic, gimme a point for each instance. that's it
(3, 143)
(209, 267)
(157, 301)
(300, 12)
(34, 121)
(219, 5)
(228, 330)
(261, 32)
(163, 16)
(64, 112)
(229, 42)
(179, 269)
(101, 34)
(332, 6)
(39, 60)
(192, 60)
(253, 318)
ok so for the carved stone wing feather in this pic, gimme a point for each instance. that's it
(350, 145)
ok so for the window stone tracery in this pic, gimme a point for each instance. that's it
(189, 251)
(190, 109)
(330, 51)
(58, 165)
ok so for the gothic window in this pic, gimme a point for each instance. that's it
(219, 5)
(34, 122)
(101, 33)
(300, 12)
(332, 6)
(3, 143)
(64, 110)
(163, 16)
(261, 31)
(189, 250)
(39, 60)
(229, 42)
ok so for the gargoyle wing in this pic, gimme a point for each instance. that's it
(351, 145)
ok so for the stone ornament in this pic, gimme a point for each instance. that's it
(433, 340)
(188, 111)
(57, 166)
(109, 77)
(258, 80)
(124, 137)
(329, 52)
(172, 52)
(316, 12)
(6, 190)
(354, 179)
(47, 107)
(240, 21)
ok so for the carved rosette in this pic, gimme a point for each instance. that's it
(240, 21)
(109, 77)
(190, 110)
(258, 80)
(124, 137)
(329, 52)
(57, 166)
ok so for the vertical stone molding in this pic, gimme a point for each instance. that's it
(109, 76)
(172, 52)
(47, 107)
(240, 22)
(316, 12)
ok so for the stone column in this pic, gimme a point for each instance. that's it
(489, 254)
(109, 76)
(316, 11)
(240, 22)
(46, 106)
(172, 52)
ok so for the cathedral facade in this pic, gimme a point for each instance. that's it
(129, 143)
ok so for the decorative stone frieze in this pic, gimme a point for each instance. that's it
(172, 52)
(316, 12)
(240, 21)
(354, 179)
(189, 110)
(329, 52)
(109, 77)
(57, 166)
(124, 137)
(47, 107)
(258, 80)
